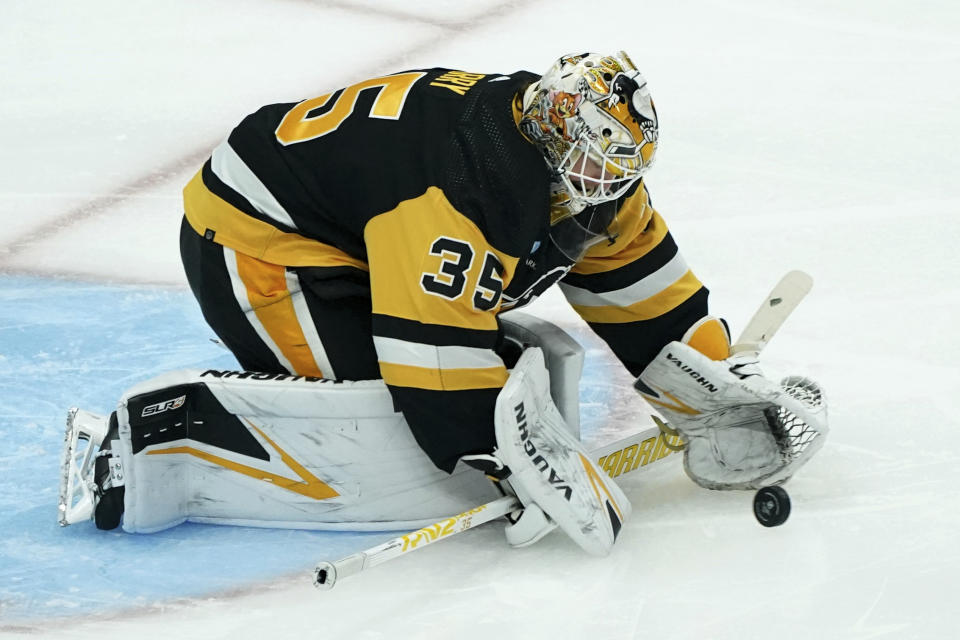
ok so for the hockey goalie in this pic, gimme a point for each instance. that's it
(355, 252)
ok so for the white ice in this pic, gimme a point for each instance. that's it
(816, 135)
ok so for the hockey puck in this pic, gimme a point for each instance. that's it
(771, 506)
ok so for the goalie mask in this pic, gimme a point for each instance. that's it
(594, 121)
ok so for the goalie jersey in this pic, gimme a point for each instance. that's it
(418, 192)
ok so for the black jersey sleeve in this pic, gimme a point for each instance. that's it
(637, 293)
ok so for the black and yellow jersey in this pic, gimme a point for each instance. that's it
(636, 292)
(420, 186)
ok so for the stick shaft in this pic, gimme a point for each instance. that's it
(774, 310)
(327, 574)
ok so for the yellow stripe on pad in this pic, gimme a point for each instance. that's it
(308, 484)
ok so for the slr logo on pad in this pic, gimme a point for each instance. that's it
(160, 407)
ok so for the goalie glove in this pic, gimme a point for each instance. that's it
(742, 431)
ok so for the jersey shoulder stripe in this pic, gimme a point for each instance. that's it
(639, 277)
(317, 166)
(642, 289)
(645, 308)
(629, 273)
(234, 173)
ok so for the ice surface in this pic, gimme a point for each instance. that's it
(814, 135)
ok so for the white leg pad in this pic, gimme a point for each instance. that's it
(253, 449)
(550, 468)
(277, 451)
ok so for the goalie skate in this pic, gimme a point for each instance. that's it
(85, 431)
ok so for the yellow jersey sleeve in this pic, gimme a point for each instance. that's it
(638, 293)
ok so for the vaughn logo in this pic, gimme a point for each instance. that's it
(253, 375)
(706, 384)
(538, 460)
(160, 407)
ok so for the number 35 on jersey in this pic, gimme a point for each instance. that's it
(450, 280)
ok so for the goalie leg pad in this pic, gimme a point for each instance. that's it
(276, 450)
(264, 450)
(549, 467)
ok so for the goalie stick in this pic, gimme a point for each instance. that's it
(780, 303)
(627, 455)
(776, 307)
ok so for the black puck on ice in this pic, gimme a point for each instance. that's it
(771, 506)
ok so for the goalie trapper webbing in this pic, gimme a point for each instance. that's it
(794, 435)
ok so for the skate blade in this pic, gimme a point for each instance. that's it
(84, 433)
